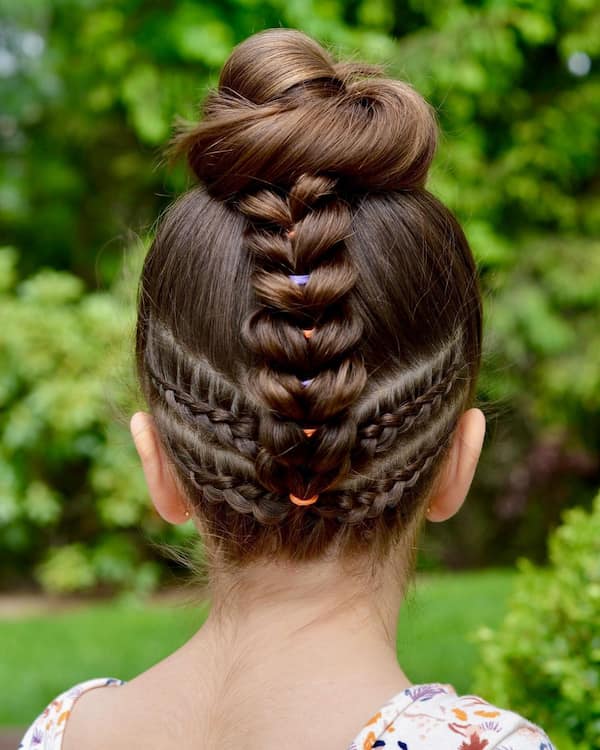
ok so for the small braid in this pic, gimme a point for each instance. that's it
(303, 380)
(215, 406)
(386, 494)
(243, 497)
(380, 433)
(237, 431)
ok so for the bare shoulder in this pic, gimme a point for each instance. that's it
(48, 729)
(140, 711)
(92, 714)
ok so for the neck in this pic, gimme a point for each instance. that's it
(314, 620)
(283, 643)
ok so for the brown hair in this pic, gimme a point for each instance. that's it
(307, 166)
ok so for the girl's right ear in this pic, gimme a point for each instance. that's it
(164, 492)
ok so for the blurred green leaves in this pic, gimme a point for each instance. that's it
(544, 659)
(72, 496)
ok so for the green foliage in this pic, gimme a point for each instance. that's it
(72, 496)
(544, 660)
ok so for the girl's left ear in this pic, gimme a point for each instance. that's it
(164, 492)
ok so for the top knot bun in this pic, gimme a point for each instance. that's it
(268, 64)
(284, 107)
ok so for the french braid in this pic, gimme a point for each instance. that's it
(309, 320)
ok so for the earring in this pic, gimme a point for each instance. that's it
(187, 514)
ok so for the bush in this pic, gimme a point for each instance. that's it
(72, 494)
(544, 660)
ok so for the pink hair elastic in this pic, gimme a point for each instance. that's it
(299, 278)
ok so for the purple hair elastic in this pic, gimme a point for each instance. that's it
(307, 382)
(300, 279)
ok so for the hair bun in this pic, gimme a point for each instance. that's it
(268, 64)
(284, 107)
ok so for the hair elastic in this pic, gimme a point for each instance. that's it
(307, 382)
(308, 332)
(299, 278)
(303, 501)
(309, 431)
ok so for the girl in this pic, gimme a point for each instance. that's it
(308, 342)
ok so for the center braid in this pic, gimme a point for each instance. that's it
(303, 334)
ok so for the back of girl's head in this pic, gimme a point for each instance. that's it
(309, 322)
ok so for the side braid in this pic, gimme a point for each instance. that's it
(398, 412)
(197, 393)
(403, 486)
(303, 335)
(237, 431)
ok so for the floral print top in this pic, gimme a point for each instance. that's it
(433, 715)
(421, 717)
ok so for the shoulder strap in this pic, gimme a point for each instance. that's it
(47, 730)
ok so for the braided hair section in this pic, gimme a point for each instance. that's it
(194, 393)
(212, 431)
(304, 336)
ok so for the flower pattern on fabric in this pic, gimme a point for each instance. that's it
(419, 718)
(432, 715)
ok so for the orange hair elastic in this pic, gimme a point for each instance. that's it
(308, 332)
(309, 431)
(303, 501)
